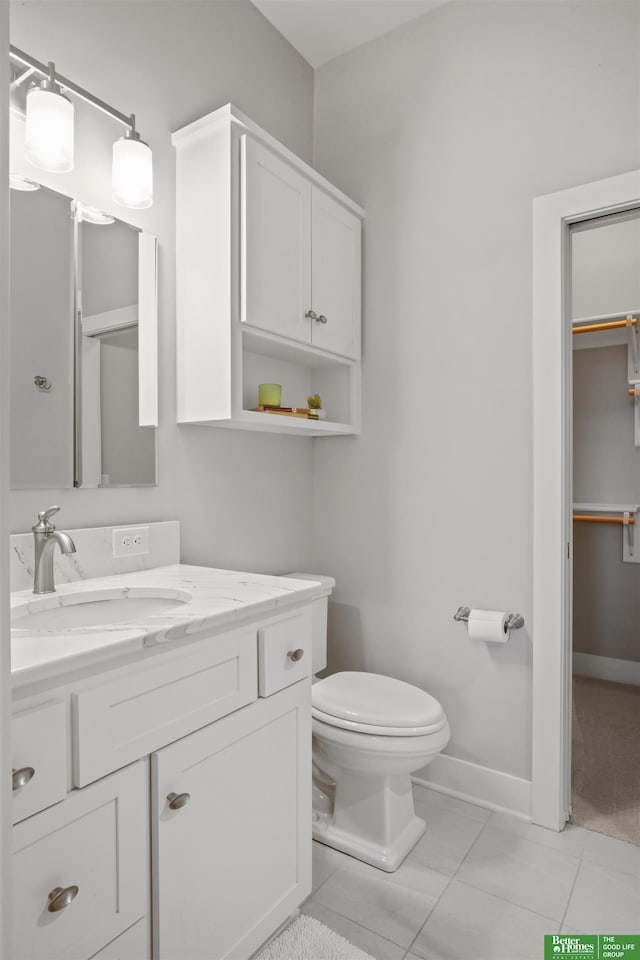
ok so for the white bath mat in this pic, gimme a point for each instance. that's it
(308, 939)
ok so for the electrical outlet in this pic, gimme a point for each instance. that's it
(130, 541)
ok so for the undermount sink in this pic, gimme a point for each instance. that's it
(98, 608)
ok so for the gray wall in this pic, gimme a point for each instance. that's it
(445, 131)
(171, 63)
(606, 268)
(109, 255)
(128, 450)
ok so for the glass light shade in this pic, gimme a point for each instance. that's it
(49, 130)
(85, 214)
(132, 173)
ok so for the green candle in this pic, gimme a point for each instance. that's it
(269, 394)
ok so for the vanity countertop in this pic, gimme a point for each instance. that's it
(218, 598)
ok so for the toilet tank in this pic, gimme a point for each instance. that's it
(318, 617)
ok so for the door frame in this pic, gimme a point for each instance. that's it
(553, 216)
(5, 634)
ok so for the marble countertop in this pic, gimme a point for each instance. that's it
(218, 598)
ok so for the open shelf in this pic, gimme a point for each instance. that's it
(302, 372)
(294, 426)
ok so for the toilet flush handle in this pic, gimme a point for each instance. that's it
(296, 655)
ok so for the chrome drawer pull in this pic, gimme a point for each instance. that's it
(311, 314)
(321, 318)
(178, 800)
(22, 776)
(296, 655)
(61, 897)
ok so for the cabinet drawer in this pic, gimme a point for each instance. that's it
(39, 758)
(132, 715)
(133, 944)
(284, 652)
(96, 841)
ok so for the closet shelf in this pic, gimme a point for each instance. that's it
(606, 507)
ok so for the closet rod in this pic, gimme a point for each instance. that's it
(590, 519)
(611, 325)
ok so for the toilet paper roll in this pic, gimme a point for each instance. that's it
(489, 625)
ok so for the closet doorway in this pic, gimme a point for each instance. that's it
(605, 726)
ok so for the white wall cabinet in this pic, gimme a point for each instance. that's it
(336, 275)
(235, 861)
(268, 281)
(225, 868)
(276, 244)
(300, 265)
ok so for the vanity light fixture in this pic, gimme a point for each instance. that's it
(49, 128)
(49, 131)
(132, 170)
(84, 214)
(25, 184)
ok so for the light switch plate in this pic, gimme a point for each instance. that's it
(130, 541)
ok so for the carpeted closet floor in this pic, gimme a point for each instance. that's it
(605, 785)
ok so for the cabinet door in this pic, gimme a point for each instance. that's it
(92, 848)
(234, 861)
(133, 944)
(336, 276)
(276, 244)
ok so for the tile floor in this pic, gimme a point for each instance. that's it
(479, 886)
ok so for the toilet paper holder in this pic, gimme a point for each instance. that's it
(514, 620)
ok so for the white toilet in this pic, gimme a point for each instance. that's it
(370, 733)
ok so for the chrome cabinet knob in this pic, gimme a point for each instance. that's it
(296, 655)
(178, 800)
(321, 318)
(311, 314)
(61, 897)
(21, 777)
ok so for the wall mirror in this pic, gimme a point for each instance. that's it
(83, 346)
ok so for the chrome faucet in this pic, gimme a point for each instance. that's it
(45, 538)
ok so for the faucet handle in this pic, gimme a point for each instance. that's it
(44, 517)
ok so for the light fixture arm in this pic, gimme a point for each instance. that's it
(52, 78)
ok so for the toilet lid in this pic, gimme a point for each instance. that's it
(371, 699)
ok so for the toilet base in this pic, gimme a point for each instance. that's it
(386, 858)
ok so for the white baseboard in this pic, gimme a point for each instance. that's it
(607, 668)
(475, 784)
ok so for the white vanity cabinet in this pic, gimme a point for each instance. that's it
(39, 754)
(234, 861)
(268, 282)
(169, 810)
(80, 869)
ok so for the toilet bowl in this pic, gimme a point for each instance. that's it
(370, 733)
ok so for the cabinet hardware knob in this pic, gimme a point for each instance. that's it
(178, 800)
(21, 777)
(311, 314)
(61, 897)
(321, 318)
(296, 655)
